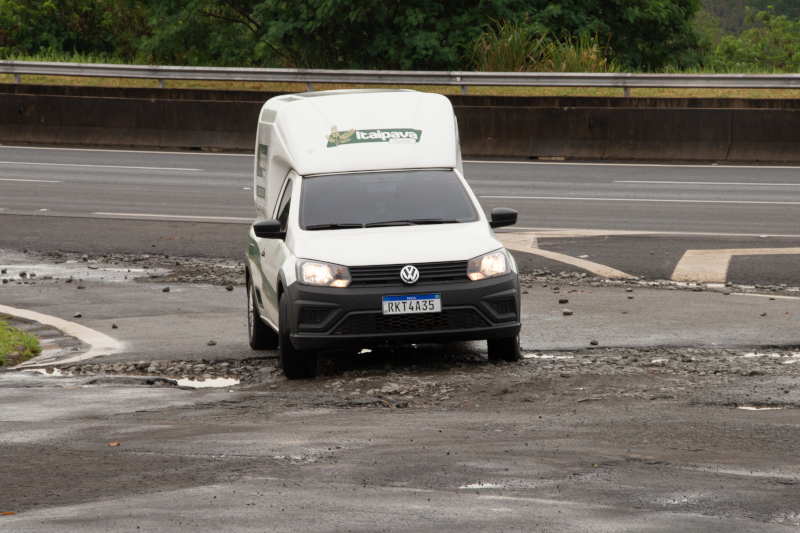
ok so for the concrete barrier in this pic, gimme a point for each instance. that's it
(492, 126)
(770, 135)
(83, 120)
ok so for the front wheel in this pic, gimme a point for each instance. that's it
(506, 349)
(297, 364)
(261, 336)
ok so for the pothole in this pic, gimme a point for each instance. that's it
(72, 272)
(50, 371)
(207, 383)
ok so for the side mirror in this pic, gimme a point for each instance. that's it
(269, 229)
(502, 216)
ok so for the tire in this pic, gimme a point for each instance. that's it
(506, 349)
(297, 364)
(261, 336)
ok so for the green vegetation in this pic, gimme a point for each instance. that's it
(581, 54)
(731, 15)
(369, 34)
(514, 47)
(16, 345)
(103, 28)
(494, 35)
(766, 41)
(510, 47)
(773, 44)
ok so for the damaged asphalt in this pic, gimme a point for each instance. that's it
(682, 415)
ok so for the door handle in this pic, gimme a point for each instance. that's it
(263, 254)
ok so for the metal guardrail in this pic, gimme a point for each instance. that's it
(402, 77)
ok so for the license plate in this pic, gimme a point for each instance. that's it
(412, 304)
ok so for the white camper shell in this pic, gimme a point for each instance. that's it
(367, 232)
(296, 132)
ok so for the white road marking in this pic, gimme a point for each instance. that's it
(544, 233)
(101, 343)
(97, 166)
(172, 216)
(34, 181)
(566, 198)
(564, 163)
(526, 242)
(766, 296)
(714, 183)
(124, 151)
(712, 265)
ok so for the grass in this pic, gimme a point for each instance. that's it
(502, 91)
(16, 345)
(55, 56)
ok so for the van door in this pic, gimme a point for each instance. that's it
(274, 252)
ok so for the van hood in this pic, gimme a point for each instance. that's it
(397, 244)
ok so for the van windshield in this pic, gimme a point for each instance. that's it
(375, 199)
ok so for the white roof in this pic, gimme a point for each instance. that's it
(347, 131)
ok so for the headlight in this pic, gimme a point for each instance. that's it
(323, 274)
(488, 266)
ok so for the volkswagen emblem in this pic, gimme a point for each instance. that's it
(409, 274)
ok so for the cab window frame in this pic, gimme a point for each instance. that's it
(283, 207)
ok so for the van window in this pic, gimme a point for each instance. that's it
(384, 198)
(283, 210)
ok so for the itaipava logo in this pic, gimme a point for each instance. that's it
(339, 137)
(391, 136)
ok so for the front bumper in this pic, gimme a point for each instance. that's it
(324, 317)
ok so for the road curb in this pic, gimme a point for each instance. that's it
(100, 343)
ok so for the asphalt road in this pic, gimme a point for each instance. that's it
(602, 439)
(194, 203)
(525, 453)
(648, 437)
(640, 433)
(178, 324)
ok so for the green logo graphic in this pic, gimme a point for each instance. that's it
(391, 136)
(336, 137)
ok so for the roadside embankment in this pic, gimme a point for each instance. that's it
(699, 129)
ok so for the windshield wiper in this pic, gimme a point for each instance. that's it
(433, 221)
(346, 225)
(411, 222)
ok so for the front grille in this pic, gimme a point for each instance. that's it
(374, 323)
(504, 306)
(390, 274)
(313, 316)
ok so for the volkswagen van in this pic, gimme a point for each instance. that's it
(368, 234)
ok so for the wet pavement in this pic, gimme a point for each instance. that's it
(683, 415)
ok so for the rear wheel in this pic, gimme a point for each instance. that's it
(297, 364)
(261, 336)
(506, 349)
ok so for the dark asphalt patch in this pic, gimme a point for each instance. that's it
(655, 256)
(526, 263)
(106, 236)
(770, 269)
(647, 256)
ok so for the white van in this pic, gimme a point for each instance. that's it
(367, 232)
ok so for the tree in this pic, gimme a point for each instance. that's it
(356, 34)
(102, 27)
(774, 43)
(642, 34)
(412, 34)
